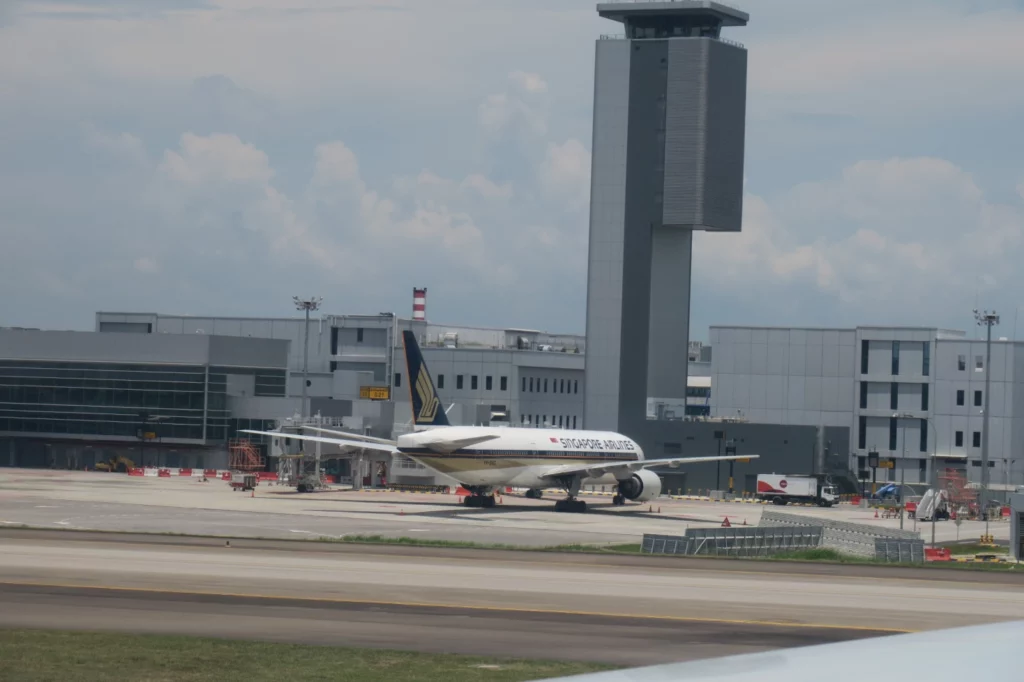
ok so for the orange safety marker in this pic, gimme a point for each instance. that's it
(726, 524)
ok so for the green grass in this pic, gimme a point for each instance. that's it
(43, 655)
(974, 548)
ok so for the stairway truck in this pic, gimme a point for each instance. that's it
(781, 489)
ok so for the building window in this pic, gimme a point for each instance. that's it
(862, 433)
(504, 383)
(440, 381)
(559, 421)
(924, 397)
(926, 358)
(863, 395)
(545, 385)
(979, 363)
(575, 386)
(488, 384)
(359, 335)
(524, 385)
(563, 386)
(960, 398)
(574, 421)
(895, 358)
(977, 398)
(398, 379)
(959, 439)
(531, 384)
(894, 396)
(864, 357)
(976, 439)
(458, 381)
(893, 443)
(522, 418)
(472, 382)
(961, 362)
(924, 435)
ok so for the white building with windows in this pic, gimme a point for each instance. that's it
(913, 394)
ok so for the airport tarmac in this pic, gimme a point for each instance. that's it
(626, 610)
(106, 501)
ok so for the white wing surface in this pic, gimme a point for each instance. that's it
(623, 469)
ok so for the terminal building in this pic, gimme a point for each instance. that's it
(914, 395)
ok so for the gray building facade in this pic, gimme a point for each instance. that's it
(71, 399)
(916, 395)
(668, 142)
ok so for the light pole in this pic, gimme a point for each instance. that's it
(988, 319)
(903, 459)
(307, 305)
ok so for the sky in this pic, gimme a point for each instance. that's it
(217, 157)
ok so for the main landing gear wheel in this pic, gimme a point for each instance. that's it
(574, 506)
(481, 501)
(534, 494)
(618, 500)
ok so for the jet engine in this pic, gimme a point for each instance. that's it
(642, 486)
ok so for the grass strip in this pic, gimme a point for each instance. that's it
(58, 656)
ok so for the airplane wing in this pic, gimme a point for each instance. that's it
(448, 445)
(946, 655)
(350, 436)
(624, 469)
(344, 443)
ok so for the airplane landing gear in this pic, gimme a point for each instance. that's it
(534, 493)
(571, 505)
(618, 500)
(480, 500)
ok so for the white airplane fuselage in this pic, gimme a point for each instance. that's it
(517, 456)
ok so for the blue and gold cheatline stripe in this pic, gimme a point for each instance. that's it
(522, 454)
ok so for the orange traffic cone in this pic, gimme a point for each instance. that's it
(726, 524)
(744, 522)
(401, 512)
(876, 512)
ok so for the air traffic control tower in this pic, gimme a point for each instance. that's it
(669, 119)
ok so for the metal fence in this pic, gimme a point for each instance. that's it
(742, 542)
(849, 538)
(899, 551)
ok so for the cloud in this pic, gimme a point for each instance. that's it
(883, 236)
(565, 173)
(146, 265)
(530, 82)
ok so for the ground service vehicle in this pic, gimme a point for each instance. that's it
(782, 489)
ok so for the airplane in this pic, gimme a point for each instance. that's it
(936, 655)
(485, 459)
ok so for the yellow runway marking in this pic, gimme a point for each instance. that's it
(493, 609)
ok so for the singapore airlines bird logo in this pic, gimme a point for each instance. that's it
(429, 402)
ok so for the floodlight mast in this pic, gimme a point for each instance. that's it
(307, 305)
(986, 319)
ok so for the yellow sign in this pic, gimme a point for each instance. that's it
(374, 392)
(149, 435)
(886, 464)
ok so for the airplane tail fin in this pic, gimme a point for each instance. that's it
(426, 406)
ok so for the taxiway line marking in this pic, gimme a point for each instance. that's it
(493, 609)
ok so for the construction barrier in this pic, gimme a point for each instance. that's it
(849, 538)
(733, 541)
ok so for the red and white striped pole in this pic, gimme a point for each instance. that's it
(419, 304)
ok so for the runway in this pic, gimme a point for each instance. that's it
(544, 636)
(626, 610)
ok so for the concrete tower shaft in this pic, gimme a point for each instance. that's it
(669, 119)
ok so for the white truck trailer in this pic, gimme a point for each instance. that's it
(782, 489)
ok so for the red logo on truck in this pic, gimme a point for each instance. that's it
(783, 484)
